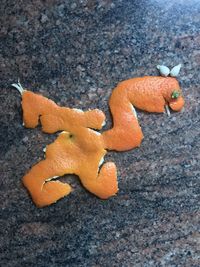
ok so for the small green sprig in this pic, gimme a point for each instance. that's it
(175, 94)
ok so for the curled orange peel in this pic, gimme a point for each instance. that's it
(77, 150)
(149, 93)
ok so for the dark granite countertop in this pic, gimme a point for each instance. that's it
(75, 52)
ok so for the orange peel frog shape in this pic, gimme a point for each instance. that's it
(79, 149)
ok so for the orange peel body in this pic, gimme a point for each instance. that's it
(77, 150)
(70, 154)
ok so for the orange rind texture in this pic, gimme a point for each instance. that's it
(149, 93)
(77, 150)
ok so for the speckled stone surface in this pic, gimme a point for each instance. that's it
(75, 52)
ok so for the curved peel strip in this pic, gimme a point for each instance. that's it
(149, 93)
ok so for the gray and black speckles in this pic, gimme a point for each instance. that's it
(75, 52)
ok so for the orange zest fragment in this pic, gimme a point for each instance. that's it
(149, 93)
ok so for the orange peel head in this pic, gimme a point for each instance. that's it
(149, 93)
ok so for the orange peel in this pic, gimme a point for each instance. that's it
(78, 149)
(149, 93)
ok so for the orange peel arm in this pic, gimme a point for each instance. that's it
(149, 93)
(55, 118)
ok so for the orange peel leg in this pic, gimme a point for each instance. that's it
(105, 184)
(68, 155)
(38, 182)
(147, 93)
